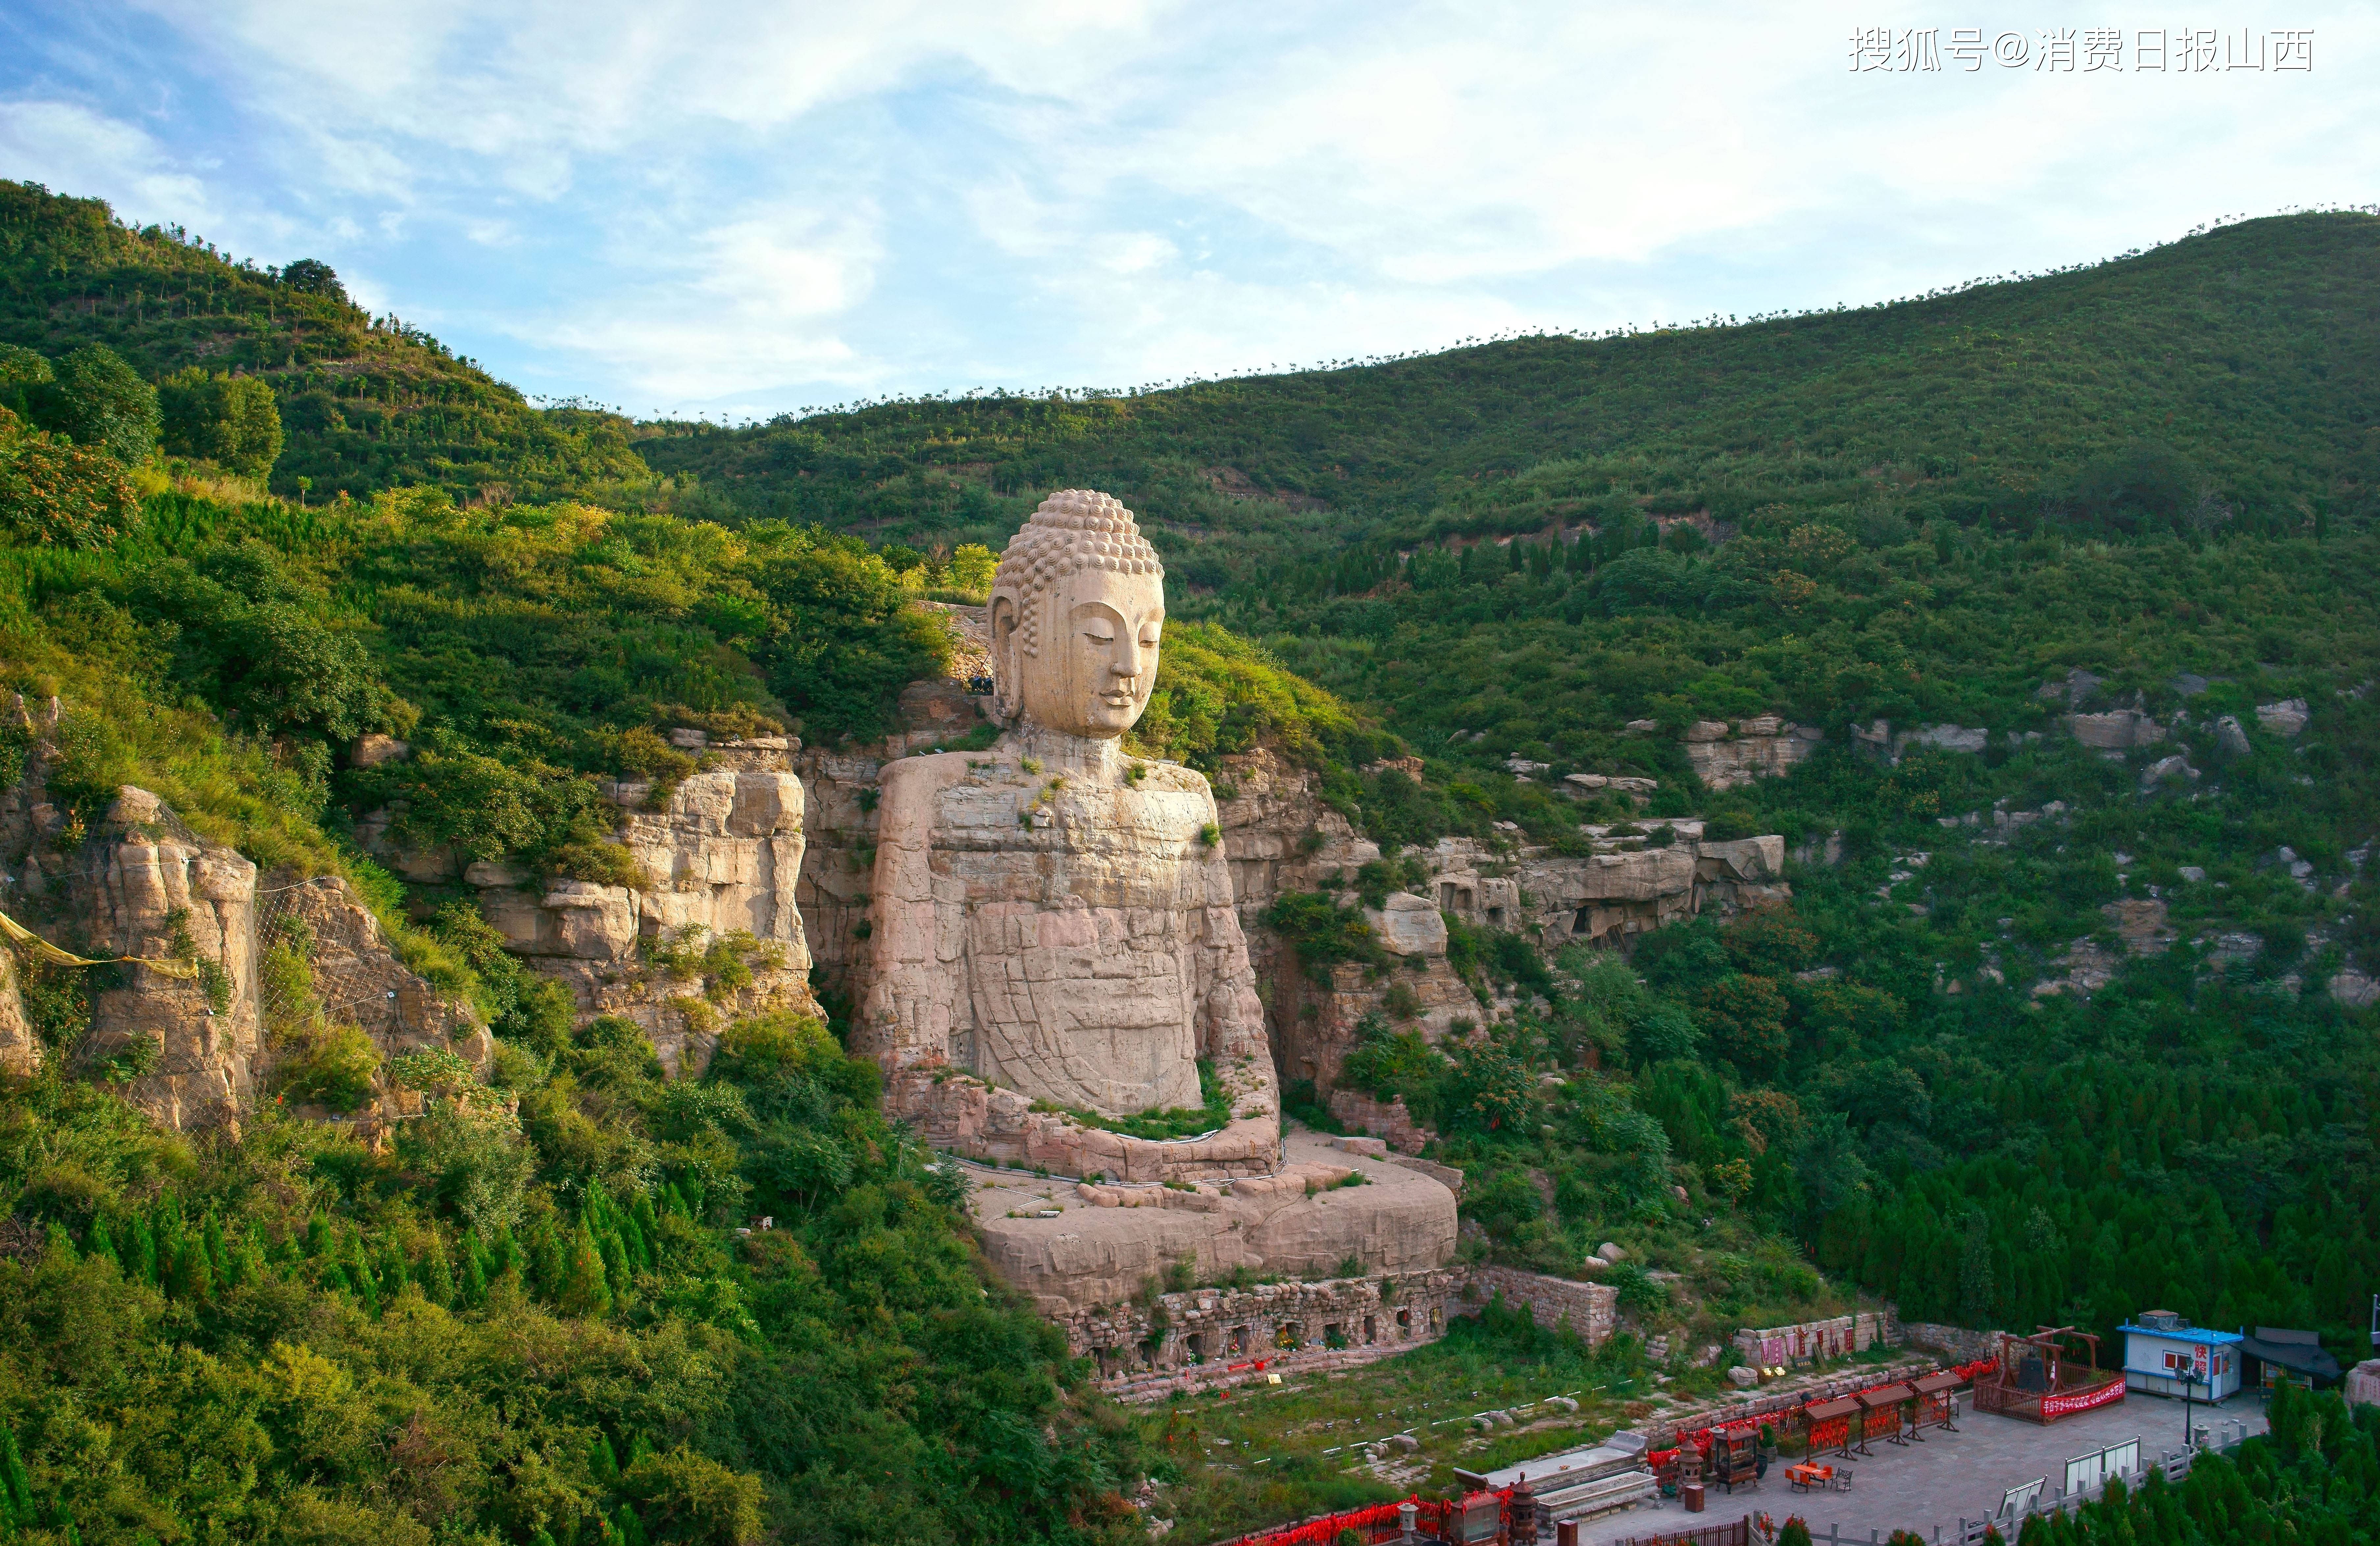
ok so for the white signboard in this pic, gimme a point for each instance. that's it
(2014, 1502)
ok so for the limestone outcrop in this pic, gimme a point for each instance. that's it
(361, 982)
(1281, 838)
(144, 884)
(20, 1050)
(192, 1043)
(2117, 730)
(722, 861)
(2288, 718)
(1727, 755)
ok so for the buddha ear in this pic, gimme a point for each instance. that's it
(1006, 661)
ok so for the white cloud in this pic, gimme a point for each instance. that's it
(73, 150)
(551, 80)
(752, 299)
(673, 201)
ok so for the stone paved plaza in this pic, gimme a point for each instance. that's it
(1932, 1485)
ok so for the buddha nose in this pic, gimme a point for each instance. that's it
(1125, 661)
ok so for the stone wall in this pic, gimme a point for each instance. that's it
(1807, 1340)
(1956, 1343)
(1213, 1328)
(1590, 1308)
(1779, 1405)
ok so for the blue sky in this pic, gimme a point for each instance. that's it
(742, 209)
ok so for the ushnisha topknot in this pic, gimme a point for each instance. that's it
(1074, 529)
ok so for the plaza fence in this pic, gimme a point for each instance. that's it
(2095, 1470)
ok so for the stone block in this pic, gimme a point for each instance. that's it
(1407, 925)
(373, 749)
(2117, 730)
(2288, 717)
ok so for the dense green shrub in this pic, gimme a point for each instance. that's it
(232, 421)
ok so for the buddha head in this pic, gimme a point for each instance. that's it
(1077, 608)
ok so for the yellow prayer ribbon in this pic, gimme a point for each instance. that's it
(52, 954)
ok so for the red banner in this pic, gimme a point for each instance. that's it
(2082, 1401)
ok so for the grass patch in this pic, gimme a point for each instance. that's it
(1178, 1122)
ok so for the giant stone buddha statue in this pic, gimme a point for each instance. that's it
(1053, 935)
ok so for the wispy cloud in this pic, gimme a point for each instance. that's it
(676, 204)
(74, 150)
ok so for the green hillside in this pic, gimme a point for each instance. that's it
(368, 402)
(2160, 473)
(2254, 344)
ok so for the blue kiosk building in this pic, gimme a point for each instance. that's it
(2164, 1355)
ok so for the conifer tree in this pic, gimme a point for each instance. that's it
(166, 1225)
(193, 1281)
(633, 1244)
(615, 1257)
(360, 1272)
(394, 1272)
(435, 1275)
(474, 1288)
(140, 1250)
(15, 1485)
(600, 1461)
(584, 1289)
(247, 1262)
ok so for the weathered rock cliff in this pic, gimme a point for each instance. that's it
(143, 884)
(1725, 755)
(714, 931)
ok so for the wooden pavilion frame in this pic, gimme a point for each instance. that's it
(1881, 1415)
(1830, 1425)
(1933, 1402)
(2041, 1380)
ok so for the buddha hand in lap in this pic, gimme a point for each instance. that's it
(1050, 928)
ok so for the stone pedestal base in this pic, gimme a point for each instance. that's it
(1079, 1247)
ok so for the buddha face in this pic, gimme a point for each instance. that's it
(1097, 657)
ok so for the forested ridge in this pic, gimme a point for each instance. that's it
(1961, 1071)
(369, 402)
